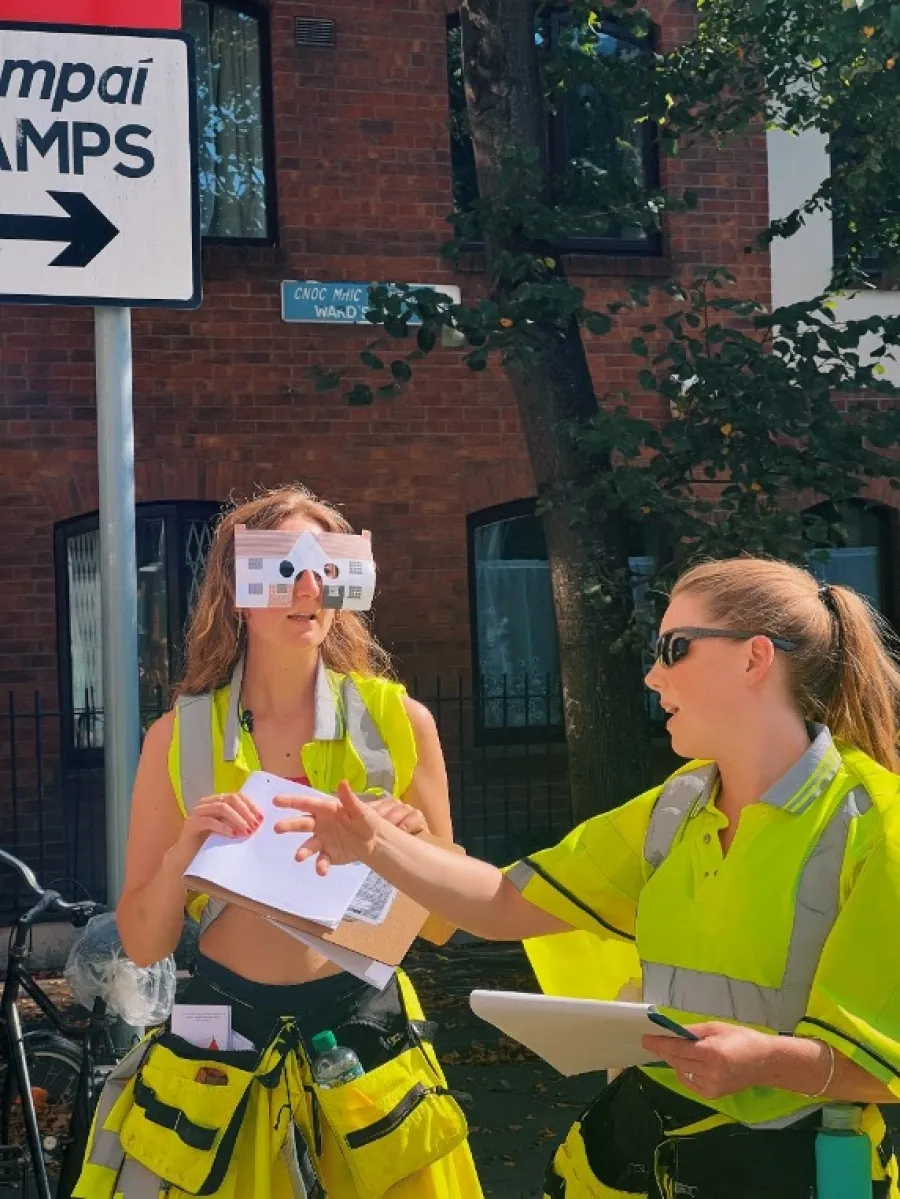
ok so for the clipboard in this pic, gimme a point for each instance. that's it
(387, 943)
(576, 1036)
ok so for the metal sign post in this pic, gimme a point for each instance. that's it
(118, 580)
(99, 206)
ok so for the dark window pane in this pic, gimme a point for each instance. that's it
(153, 617)
(83, 568)
(462, 156)
(587, 141)
(166, 588)
(233, 188)
(197, 538)
(860, 562)
(595, 137)
(516, 625)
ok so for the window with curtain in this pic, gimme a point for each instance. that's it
(231, 42)
(171, 543)
(516, 654)
(584, 135)
(863, 560)
(516, 651)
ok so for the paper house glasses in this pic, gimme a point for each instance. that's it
(268, 563)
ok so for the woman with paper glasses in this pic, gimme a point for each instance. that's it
(757, 892)
(282, 676)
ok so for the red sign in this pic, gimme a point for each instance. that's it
(119, 14)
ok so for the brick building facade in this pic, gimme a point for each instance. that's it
(355, 152)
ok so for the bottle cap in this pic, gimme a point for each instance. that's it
(842, 1117)
(323, 1041)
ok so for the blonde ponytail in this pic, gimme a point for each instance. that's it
(863, 705)
(842, 673)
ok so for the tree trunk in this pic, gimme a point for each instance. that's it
(606, 726)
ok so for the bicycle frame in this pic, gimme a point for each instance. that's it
(18, 980)
(12, 1036)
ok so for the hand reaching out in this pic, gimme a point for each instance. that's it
(343, 829)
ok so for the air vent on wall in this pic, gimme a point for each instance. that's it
(308, 31)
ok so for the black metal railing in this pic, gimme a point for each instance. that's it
(503, 745)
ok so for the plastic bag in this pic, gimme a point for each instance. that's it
(98, 967)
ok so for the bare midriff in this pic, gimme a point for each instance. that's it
(254, 948)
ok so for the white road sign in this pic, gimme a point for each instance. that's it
(98, 180)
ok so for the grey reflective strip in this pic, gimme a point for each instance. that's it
(329, 717)
(105, 1147)
(291, 1161)
(788, 1120)
(367, 740)
(815, 911)
(809, 777)
(520, 875)
(137, 1182)
(213, 909)
(231, 738)
(195, 713)
(678, 798)
(195, 762)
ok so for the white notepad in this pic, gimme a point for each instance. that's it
(261, 867)
(575, 1036)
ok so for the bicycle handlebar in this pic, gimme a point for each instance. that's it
(26, 872)
(48, 900)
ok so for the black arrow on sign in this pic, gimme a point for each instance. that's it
(85, 228)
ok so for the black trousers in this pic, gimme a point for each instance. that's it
(370, 1022)
(625, 1138)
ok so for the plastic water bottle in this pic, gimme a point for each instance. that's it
(334, 1064)
(843, 1155)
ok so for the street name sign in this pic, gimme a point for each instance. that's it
(98, 180)
(308, 301)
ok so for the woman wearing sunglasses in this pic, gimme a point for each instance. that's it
(756, 892)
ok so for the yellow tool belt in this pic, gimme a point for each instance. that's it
(185, 1116)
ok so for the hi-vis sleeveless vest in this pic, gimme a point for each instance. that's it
(361, 733)
(808, 909)
(397, 1132)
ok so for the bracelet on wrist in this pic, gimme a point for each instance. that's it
(831, 1068)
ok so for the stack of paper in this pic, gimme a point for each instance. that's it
(262, 869)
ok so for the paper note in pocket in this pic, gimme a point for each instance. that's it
(206, 1025)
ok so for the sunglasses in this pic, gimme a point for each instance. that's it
(674, 645)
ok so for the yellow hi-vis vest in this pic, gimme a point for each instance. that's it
(395, 1133)
(789, 932)
(361, 733)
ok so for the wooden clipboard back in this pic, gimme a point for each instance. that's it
(387, 943)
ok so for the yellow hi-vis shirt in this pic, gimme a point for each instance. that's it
(793, 931)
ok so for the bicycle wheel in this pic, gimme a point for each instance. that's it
(54, 1065)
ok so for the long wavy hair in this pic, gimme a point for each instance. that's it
(216, 636)
(843, 672)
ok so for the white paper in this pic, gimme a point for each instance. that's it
(373, 900)
(206, 1025)
(261, 867)
(573, 1035)
(367, 969)
(241, 1043)
(268, 561)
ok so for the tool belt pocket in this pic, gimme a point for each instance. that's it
(188, 1106)
(393, 1121)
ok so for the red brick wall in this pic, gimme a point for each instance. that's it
(222, 397)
